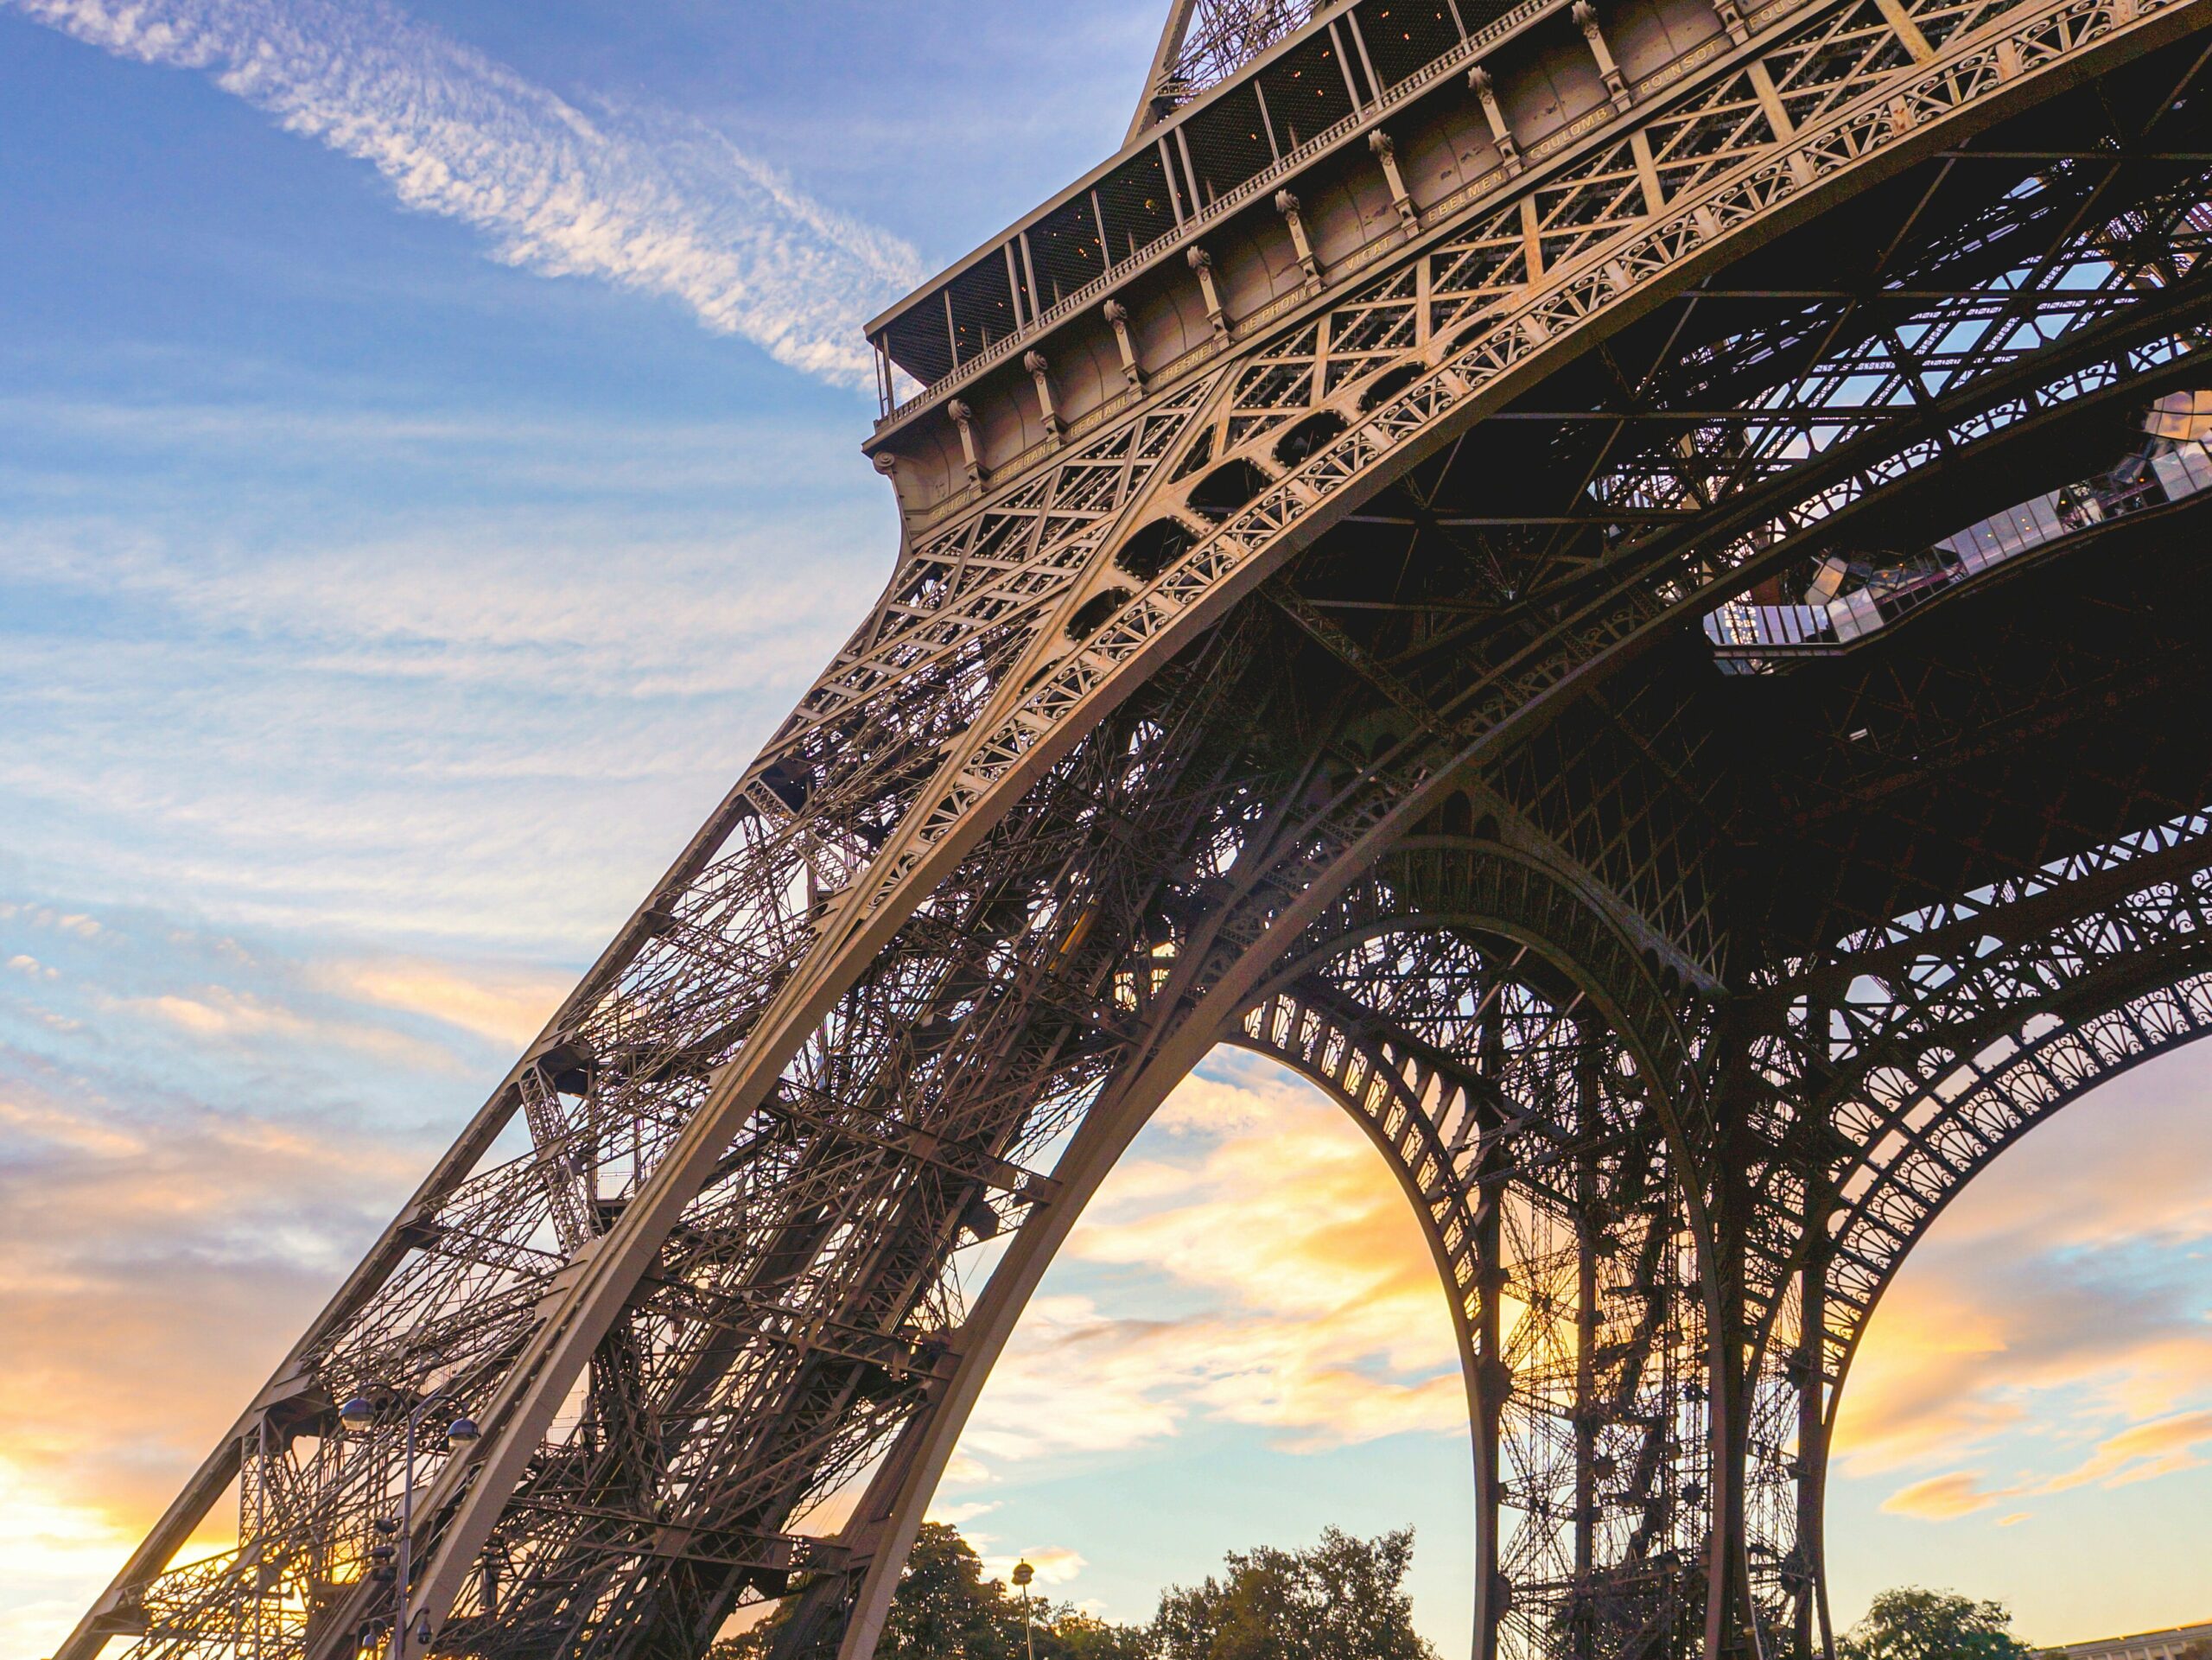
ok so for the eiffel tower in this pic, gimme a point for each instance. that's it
(1617, 584)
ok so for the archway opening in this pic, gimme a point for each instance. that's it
(1227, 488)
(1155, 547)
(1306, 436)
(2029, 1417)
(1387, 386)
(1244, 1340)
(1095, 611)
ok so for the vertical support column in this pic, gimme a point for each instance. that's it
(1174, 189)
(1485, 88)
(964, 418)
(1024, 312)
(1201, 263)
(1590, 1243)
(1287, 205)
(1038, 304)
(1117, 318)
(1035, 364)
(1532, 237)
(1344, 63)
(1493, 1591)
(1190, 172)
(1384, 148)
(882, 373)
(1366, 63)
(1647, 172)
(1777, 116)
(1808, 1369)
(1728, 1610)
(1813, 1633)
(1585, 19)
(1267, 119)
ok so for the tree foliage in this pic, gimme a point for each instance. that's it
(1340, 1600)
(1910, 1623)
(945, 1609)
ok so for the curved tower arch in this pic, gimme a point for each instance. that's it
(2123, 951)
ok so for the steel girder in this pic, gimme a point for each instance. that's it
(1412, 770)
(1206, 42)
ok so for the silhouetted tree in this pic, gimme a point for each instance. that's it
(1340, 1600)
(945, 1609)
(1910, 1623)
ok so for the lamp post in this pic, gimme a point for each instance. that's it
(1022, 1574)
(359, 1414)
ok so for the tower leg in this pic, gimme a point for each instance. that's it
(1813, 1635)
(1493, 1595)
(1731, 1624)
(1581, 1633)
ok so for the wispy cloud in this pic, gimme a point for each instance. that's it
(1284, 1286)
(483, 683)
(641, 198)
(1941, 1497)
(200, 1129)
(504, 1004)
(2142, 1452)
(2054, 1321)
(242, 1220)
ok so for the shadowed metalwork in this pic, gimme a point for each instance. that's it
(1609, 582)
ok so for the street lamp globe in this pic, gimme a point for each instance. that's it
(357, 1413)
(460, 1432)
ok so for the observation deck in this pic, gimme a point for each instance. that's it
(1850, 601)
(1352, 137)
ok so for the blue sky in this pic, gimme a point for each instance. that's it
(427, 467)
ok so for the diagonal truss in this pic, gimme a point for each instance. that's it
(1203, 42)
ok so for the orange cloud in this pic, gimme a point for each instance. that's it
(504, 1004)
(1300, 1295)
(1055, 1564)
(153, 1267)
(2055, 1302)
(219, 1014)
(1941, 1499)
(2140, 1452)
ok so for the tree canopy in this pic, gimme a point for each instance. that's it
(1910, 1623)
(1342, 1598)
(945, 1609)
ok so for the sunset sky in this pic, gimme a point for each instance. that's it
(428, 466)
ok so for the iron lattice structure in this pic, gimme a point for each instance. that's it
(1206, 41)
(1611, 584)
